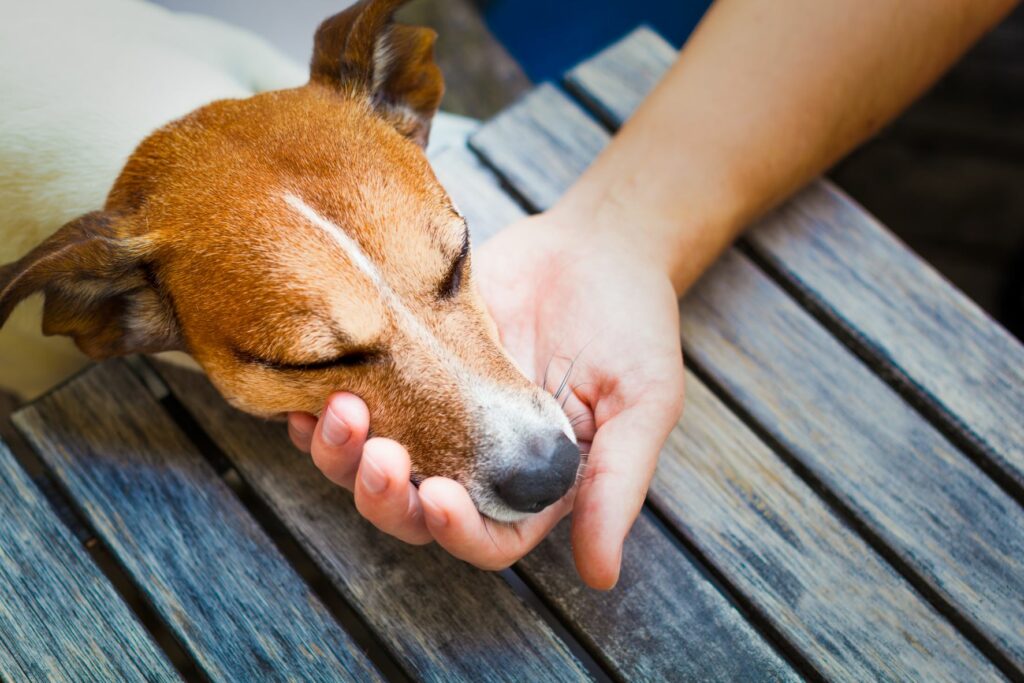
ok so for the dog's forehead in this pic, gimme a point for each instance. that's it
(281, 200)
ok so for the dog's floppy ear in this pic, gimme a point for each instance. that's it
(99, 288)
(362, 50)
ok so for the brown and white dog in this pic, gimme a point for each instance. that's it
(297, 242)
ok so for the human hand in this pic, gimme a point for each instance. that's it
(592, 319)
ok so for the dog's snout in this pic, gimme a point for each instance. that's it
(545, 471)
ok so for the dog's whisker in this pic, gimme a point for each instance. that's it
(566, 399)
(544, 382)
(565, 379)
(581, 419)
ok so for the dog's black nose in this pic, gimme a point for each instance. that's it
(546, 470)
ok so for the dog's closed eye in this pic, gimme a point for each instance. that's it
(349, 359)
(452, 282)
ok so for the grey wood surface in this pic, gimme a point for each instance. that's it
(60, 619)
(664, 620)
(442, 619)
(906, 317)
(564, 138)
(849, 613)
(939, 514)
(899, 312)
(961, 536)
(208, 569)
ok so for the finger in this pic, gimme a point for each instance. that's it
(339, 436)
(385, 496)
(615, 481)
(300, 428)
(459, 528)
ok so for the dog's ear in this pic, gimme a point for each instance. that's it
(99, 286)
(362, 50)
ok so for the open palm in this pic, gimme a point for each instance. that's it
(597, 325)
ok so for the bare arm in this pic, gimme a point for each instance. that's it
(764, 97)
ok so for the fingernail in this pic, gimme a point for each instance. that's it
(334, 431)
(435, 516)
(373, 477)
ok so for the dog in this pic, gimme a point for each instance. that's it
(296, 242)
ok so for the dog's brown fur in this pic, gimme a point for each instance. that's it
(197, 250)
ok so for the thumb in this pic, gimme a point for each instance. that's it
(618, 472)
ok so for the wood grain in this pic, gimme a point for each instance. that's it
(205, 565)
(60, 619)
(773, 538)
(442, 619)
(936, 511)
(840, 604)
(664, 620)
(898, 311)
(905, 316)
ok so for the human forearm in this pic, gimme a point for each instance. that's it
(764, 97)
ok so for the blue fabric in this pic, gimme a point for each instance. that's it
(550, 36)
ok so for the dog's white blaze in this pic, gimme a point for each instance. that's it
(351, 247)
(355, 253)
(506, 413)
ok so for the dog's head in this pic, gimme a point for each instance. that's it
(296, 243)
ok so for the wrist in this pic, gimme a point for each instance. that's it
(680, 240)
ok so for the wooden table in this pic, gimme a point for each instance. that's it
(841, 501)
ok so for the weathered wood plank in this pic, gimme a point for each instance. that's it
(561, 134)
(772, 537)
(663, 621)
(950, 524)
(847, 610)
(60, 619)
(442, 619)
(904, 316)
(206, 566)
